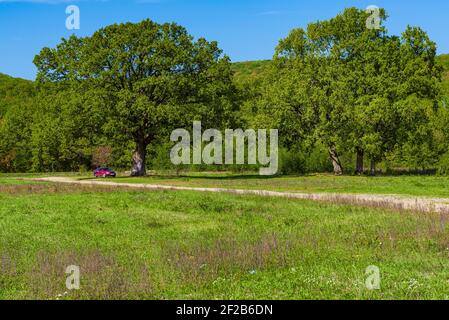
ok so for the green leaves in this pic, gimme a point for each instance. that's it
(151, 77)
(342, 83)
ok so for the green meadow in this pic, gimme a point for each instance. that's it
(186, 245)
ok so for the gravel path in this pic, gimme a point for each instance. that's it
(421, 204)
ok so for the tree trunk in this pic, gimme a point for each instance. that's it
(338, 169)
(139, 154)
(359, 164)
(373, 168)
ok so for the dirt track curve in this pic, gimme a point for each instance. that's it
(420, 204)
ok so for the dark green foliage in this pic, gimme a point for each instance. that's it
(443, 164)
(443, 60)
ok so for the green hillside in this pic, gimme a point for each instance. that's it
(250, 71)
(444, 61)
(13, 91)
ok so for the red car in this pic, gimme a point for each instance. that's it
(104, 173)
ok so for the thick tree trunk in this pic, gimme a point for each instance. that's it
(139, 154)
(359, 164)
(373, 168)
(338, 169)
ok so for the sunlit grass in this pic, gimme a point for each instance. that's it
(178, 245)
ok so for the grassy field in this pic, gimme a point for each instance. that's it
(186, 245)
(428, 186)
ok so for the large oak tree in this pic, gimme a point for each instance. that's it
(149, 78)
(354, 88)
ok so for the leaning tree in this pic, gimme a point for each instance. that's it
(149, 78)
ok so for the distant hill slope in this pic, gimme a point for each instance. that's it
(250, 71)
(14, 91)
(444, 61)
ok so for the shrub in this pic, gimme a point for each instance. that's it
(443, 165)
(291, 162)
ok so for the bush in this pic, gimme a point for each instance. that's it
(443, 165)
(317, 160)
(291, 162)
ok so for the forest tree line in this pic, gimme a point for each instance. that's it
(344, 97)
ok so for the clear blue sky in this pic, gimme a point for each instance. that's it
(245, 29)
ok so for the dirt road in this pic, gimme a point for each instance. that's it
(420, 204)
